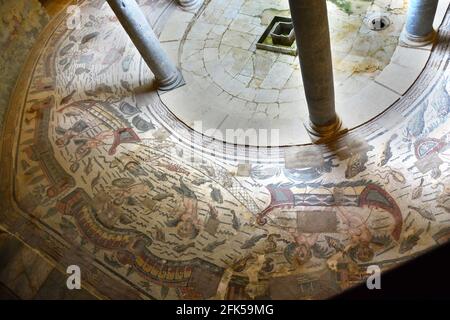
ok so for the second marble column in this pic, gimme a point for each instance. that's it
(310, 20)
(419, 22)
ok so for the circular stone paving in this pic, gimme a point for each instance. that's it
(230, 84)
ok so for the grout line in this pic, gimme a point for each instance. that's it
(390, 89)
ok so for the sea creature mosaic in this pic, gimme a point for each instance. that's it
(97, 172)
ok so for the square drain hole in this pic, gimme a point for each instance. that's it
(279, 36)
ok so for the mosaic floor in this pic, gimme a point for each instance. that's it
(96, 171)
(20, 24)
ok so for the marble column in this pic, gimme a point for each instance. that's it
(419, 23)
(310, 20)
(138, 28)
(190, 4)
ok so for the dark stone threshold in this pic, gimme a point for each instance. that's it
(6, 293)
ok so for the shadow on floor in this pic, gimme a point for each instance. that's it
(426, 277)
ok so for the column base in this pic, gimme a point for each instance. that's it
(171, 83)
(409, 40)
(325, 134)
(190, 5)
